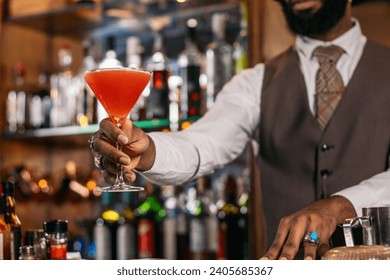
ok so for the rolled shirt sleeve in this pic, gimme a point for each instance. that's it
(373, 192)
(214, 140)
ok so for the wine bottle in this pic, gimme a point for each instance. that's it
(231, 243)
(12, 219)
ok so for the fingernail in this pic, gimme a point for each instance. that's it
(309, 258)
(283, 259)
(128, 177)
(264, 258)
(124, 161)
(123, 139)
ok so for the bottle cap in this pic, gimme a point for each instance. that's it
(56, 226)
(26, 249)
(7, 188)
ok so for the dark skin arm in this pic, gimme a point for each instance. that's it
(321, 216)
(138, 150)
(139, 153)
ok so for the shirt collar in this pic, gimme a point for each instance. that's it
(349, 41)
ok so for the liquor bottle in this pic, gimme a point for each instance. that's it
(134, 60)
(39, 105)
(86, 100)
(219, 59)
(157, 105)
(189, 62)
(230, 233)
(241, 43)
(243, 222)
(197, 208)
(67, 88)
(16, 102)
(104, 231)
(5, 230)
(183, 242)
(150, 213)
(126, 237)
(133, 52)
(11, 112)
(175, 83)
(174, 225)
(12, 219)
(109, 61)
(21, 97)
(170, 223)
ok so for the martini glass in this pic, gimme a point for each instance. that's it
(118, 89)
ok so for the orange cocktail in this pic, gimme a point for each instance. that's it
(117, 89)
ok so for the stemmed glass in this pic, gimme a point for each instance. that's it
(118, 89)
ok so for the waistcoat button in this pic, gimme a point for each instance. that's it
(325, 172)
(326, 147)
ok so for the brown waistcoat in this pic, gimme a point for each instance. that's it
(299, 162)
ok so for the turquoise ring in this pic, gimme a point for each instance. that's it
(312, 238)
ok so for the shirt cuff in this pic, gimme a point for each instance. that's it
(373, 192)
(177, 161)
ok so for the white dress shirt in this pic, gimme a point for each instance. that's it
(224, 131)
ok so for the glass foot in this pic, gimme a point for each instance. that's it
(121, 188)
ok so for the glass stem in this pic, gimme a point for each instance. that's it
(119, 175)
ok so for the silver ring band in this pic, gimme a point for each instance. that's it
(98, 158)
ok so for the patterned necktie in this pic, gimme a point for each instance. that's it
(329, 84)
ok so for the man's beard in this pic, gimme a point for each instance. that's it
(316, 24)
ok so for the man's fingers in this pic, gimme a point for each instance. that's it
(309, 251)
(276, 247)
(323, 248)
(113, 132)
(111, 153)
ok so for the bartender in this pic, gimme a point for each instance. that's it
(319, 114)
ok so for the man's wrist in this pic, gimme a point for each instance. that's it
(344, 207)
(148, 157)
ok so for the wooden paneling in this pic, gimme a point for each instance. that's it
(374, 19)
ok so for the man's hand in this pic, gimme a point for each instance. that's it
(138, 149)
(322, 217)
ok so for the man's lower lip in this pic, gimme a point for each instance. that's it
(301, 5)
